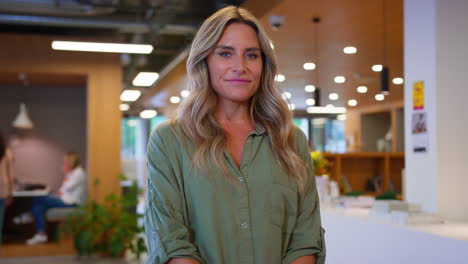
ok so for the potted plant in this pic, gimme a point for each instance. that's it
(108, 228)
(320, 163)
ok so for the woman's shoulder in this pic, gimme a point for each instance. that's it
(301, 139)
(168, 130)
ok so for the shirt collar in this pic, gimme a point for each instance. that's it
(259, 130)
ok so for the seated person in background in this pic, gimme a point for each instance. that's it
(73, 192)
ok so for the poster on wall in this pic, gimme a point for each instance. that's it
(418, 95)
(419, 131)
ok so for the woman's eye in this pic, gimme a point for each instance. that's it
(252, 56)
(225, 54)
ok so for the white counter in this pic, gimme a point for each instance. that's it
(352, 237)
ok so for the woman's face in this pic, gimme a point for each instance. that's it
(235, 65)
(66, 166)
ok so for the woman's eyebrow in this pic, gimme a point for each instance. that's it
(231, 48)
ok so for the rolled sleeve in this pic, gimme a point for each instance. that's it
(308, 235)
(166, 224)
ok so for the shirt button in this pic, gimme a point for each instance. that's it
(244, 225)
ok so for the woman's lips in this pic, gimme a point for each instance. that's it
(239, 80)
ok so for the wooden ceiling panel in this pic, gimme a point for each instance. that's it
(358, 23)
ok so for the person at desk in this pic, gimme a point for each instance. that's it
(72, 193)
(6, 179)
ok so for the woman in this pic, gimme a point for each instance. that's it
(71, 193)
(6, 180)
(230, 178)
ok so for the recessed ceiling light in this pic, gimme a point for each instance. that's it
(362, 89)
(280, 78)
(379, 97)
(333, 96)
(124, 107)
(287, 95)
(398, 80)
(341, 117)
(309, 66)
(102, 47)
(145, 79)
(292, 106)
(146, 114)
(377, 67)
(184, 93)
(309, 88)
(340, 79)
(325, 110)
(130, 95)
(350, 50)
(310, 101)
(352, 102)
(174, 99)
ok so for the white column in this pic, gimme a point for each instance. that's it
(436, 38)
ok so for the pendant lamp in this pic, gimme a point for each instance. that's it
(22, 120)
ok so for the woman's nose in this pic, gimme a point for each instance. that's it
(239, 64)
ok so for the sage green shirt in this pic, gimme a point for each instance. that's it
(261, 218)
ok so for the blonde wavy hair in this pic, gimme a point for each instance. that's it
(196, 115)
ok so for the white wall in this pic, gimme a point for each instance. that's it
(452, 103)
(421, 177)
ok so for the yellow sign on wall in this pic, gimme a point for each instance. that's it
(418, 95)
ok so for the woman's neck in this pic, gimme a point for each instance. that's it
(232, 112)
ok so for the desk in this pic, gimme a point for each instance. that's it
(352, 237)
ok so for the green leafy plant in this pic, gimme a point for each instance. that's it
(108, 228)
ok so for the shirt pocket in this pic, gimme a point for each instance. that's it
(282, 202)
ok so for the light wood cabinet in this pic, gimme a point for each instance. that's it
(359, 167)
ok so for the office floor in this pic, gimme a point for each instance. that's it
(67, 260)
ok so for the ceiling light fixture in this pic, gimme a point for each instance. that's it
(184, 93)
(333, 96)
(174, 99)
(124, 107)
(362, 89)
(384, 87)
(349, 50)
(287, 95)
(309, 66)
(379, 97)
(145, 79)
(310, 101)
(130, 95)
(398, 80)
(280, 78)
(312, 88)
(325, 110)
(147, 114)
(309, 88)
(340, 79)
(102, 47)
(352, 102)
(377, 67)
(22, 120)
